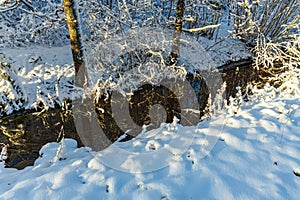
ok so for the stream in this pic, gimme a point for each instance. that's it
(27, 131)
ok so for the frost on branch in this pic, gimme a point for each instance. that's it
(32, 22)
(129, 61)
(12, 96)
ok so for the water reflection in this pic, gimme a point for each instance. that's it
(27, 132)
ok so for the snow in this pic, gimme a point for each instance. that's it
(249, 151)
(4, 153)
(254, 156)
(2, 2)
(45, 76)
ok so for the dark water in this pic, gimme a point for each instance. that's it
(27, 132)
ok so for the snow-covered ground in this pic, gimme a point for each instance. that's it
(255, 157)
(44, 75)
(253, 154)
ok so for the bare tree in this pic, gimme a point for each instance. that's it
(25, 22)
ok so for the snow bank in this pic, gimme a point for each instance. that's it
(45, 75)
(256, 157)
(42, 78)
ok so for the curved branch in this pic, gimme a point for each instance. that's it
(9, 7)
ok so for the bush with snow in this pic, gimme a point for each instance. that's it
(26, 22)
(12, 96)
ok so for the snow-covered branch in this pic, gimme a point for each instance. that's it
(4, 6)
(4, 152)
(196, 30)
(39, 22)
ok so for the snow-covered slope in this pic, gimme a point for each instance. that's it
(256, 156)
(43, 75)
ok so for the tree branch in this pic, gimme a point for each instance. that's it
(9, 7)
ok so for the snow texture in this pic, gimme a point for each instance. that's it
(42, 78)
(255, 157)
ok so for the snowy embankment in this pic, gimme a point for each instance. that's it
(255, 152)
(256, 156)
(43, 77)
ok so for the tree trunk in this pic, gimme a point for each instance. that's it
(175, 51)
(74, 31)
